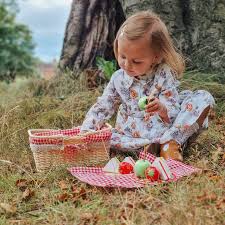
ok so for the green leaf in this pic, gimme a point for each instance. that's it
(107, 67)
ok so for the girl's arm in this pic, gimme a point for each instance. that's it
(169, 95)
(167, 104)
(103, 109)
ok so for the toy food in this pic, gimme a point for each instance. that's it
(152, 174)
(164, 170)
(130, 160)
(112, 166)
(143, 102)
(125, 168)
(140, 167)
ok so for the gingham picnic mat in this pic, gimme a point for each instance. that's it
(96, 177)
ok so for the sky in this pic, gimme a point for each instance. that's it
(47, 21)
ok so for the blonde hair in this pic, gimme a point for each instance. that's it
(148, 23)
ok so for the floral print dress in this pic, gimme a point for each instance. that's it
(135, 128)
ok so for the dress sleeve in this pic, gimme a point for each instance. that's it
(169, 94)
(104, 108)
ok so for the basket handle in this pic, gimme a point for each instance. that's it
(79, 138)
(108, 127)
(32, 133)
(72, 140)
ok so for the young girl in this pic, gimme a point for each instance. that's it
(149, 66)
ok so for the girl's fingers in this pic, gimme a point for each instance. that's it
(151, 99)
(152, 103)
(150, 106)
(153, 108)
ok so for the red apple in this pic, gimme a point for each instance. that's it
(152, 174)
(125, 168)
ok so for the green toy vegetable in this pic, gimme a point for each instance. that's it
(140, 166)
(143, 102)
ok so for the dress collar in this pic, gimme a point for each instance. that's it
(128, 80)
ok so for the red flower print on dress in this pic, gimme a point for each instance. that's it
(136, 134)
(186, 126)
(147, 117)
(133, 125)
(168, 93)
(158, 87)
(189, 107)
(133, 94)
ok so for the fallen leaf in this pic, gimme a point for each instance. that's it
(22, 184)
(215, 178)
(217, 154)
(8, 208)
(220, 204)
(74, 187)
(212, 114)
(207, 197)
(81, 192)
(63, 197)
(122, 215)
(63, 185)
(207, 172)
(27, 194)
(86, 216)
(130, 205)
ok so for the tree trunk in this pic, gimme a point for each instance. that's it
(197, 27)
(90, 32)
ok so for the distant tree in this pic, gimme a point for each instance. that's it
(16, 45)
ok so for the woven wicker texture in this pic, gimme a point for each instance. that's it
(53, 148)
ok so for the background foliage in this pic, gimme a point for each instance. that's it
(16, 55)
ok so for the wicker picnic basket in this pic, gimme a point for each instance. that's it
(68, 147)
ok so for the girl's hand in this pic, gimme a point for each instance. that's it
(101, 126)
(155, 106)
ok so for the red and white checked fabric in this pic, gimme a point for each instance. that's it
(55, 137)
(96, 177)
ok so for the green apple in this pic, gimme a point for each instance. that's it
(140, 166)
(143, 102)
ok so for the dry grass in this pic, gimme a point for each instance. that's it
(56, 197)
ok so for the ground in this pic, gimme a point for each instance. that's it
(55, 197)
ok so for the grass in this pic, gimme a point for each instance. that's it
(27, 197)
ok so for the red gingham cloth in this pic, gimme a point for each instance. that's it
(96, 177)
(55, 137)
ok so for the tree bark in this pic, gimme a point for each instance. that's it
(197, 27)
(90, 32)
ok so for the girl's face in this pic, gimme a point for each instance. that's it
(135, 56)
